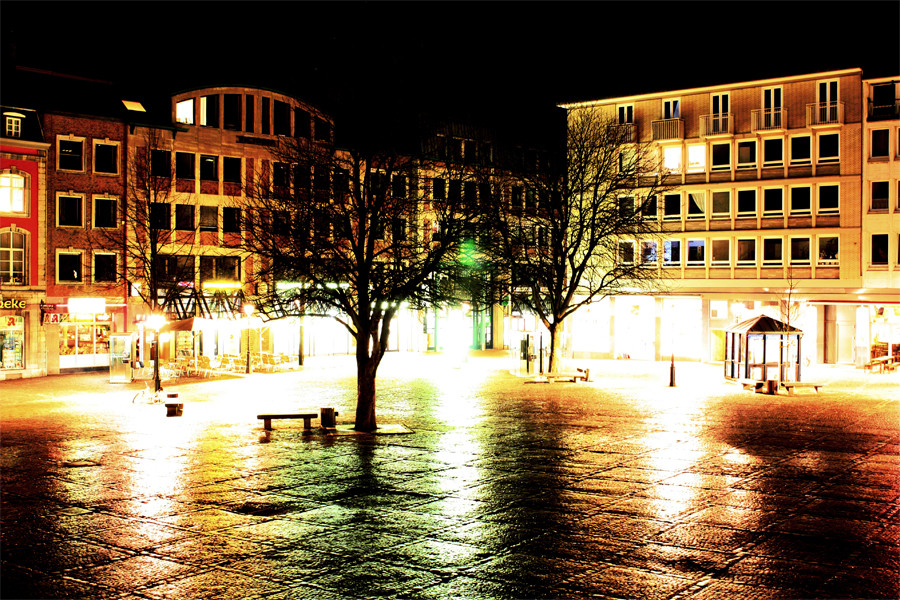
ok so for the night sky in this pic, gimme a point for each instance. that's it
(502, 59)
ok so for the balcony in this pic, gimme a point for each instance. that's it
(768, 119)
(626, 132)
(824, 113)
(884, 111)
(716, 124)
(668, 129)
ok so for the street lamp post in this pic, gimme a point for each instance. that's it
(155, 323)
(248, 310)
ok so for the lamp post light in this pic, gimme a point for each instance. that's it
(155, 323)
(248, 310)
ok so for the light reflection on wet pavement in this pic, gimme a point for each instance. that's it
(619, 488)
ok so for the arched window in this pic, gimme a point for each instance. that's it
(12, 258)
(12, 192)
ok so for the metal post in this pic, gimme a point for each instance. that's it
(248, 345)
(672, 372)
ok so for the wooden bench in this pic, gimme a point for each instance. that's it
(790, 386)
(307, 417)
(583, 374)
(753, 385)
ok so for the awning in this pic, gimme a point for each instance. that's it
(763, 324)
(190, 324)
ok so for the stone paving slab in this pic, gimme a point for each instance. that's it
(617, 488)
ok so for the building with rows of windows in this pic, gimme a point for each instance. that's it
(783, 201)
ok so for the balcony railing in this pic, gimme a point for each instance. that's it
(668, 129)
(766, 119)
(824, 113)
(882, 112)
(716, 124)
(627, 132)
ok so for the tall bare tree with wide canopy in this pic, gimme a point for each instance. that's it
(354, 233)
(580, 228)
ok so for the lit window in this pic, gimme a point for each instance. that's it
(696, 158)
(672, 252)
(721, 252)
(134, 106)
(184, 112)
(828, 250)
(13, 126)
(209, 218)
(696, 252)
(648, 254)
(12, 192)
(12, 258)
(672, 159)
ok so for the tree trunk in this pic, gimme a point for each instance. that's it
(554, 349)
(366, 367)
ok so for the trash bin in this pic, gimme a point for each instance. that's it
(771, 387)
(328, 418)
(174, 408)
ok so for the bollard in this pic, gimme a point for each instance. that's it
(328, 418)
(672, 372)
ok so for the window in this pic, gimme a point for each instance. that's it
(12, 192)
(68, 267)
(648, 254)
(771, 115)
(626, 207)
(828, 250)
(106, 213)
(772, 251)
(69, 211)
(773, 201)
(184, 165)
(209, 167)
(721, 157)
(439, 189)
(799, 250)
(219, 268)
(249, 113)
(184, 112)
(829, 198)
(106, 158)
(265, 117)
(302, 123)
(231, 219)
(880, 193)
(160, 216)
(801, 200)
(626, 114)
(282, 118)
(231, 112)
(175, 268)
(626, 252)
(696, 205)
(470, 192)
(13, 126)
(880, 143)
(160, 163)
(209, 218)
(696, 158)
(746, 150)
(719, 119)
(827, 95)
(104, 267)
(231, 169)
(672, 252)
(746, 251)
(398, 186)
(721, 204)
(829, 148)
(773, 152)
(323, 130)
(398, 229)
(879, 249)
(672, 207)
(695, 252)
(12, 258)
(672, 159)
(801, 152)
(627, 160)
(184, 217)
(649, 209)
(209, 110)
(746, 203)
(672, 109)
(721, 252)
(70, 154)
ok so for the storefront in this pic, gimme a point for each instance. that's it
(77, 332)
(21, 340)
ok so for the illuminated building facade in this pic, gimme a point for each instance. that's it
(770, 212)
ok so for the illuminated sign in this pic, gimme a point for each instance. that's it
(222, 285)
(87, 305)
(12, 303)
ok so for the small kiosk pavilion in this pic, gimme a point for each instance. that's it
(762, 349)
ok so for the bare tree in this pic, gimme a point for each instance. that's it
(154, 258)
(350, 232)
(574, 232)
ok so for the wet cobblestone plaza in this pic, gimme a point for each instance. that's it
(618, 488)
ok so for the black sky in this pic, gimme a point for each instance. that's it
(502, 58)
